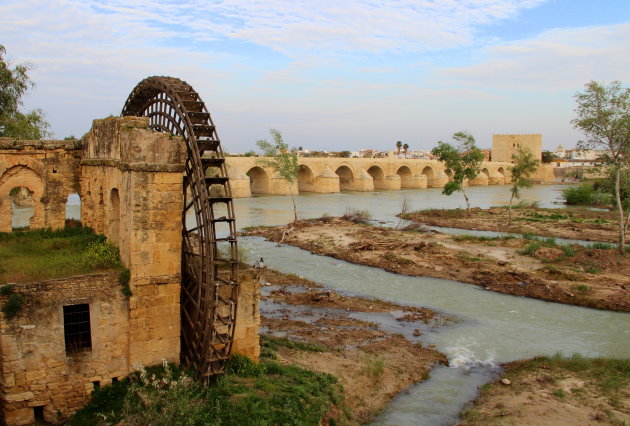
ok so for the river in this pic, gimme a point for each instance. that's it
(491, 328)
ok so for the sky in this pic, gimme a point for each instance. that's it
(334, 75)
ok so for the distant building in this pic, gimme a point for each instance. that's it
(504, 146)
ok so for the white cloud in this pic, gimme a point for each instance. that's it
(559, 59)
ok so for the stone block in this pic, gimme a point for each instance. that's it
(19, 416)
(16, 397)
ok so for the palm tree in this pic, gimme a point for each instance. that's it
(406, 148)
(398, 146)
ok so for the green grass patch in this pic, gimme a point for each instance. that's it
(249, 393)
(45, 254)
(531, 248)
(602, 246)
(270, 343)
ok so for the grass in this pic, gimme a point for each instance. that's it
(249, 393)
(357, 215)
(271, 344)
(601, 246)
(45, 254)
(531, 248)
(374, 367)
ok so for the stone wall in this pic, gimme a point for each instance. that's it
(48, 169)
(36, 370)
(131, 186)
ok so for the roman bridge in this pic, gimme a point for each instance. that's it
(328, 175)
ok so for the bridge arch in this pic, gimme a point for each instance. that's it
(378, 176)
(306, 179)
(406, 177)
(346, 177)
(259, 180)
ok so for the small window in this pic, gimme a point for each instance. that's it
(76, 327)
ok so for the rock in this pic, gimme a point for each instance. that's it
(417, 332)
(506, 382)
(502, 263)
(437, 268)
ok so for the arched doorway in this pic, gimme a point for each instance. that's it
(259, 181)
(73, 209)
(346, 178)
(22, 207)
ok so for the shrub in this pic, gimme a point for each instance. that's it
(124, 278)
(102, 254)
(584, 194)
(531, 248)
(356, 215)
(13, 305)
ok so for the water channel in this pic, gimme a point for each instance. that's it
(491, 328)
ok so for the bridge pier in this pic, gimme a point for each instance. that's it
(327, 182)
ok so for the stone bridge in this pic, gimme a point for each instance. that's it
(328, 175)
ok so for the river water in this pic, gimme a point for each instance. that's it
(490, 328)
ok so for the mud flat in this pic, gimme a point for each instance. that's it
(371, 346)
(555, 391)
(576, 275)
(575, 223)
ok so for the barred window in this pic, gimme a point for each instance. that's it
(76, 327)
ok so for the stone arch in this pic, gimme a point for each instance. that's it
(73, 207)
(21, 176)
(482, 178)
(428, 172)
(406, 177)
(114, 216)
(498, 178)
(306, 179)
(378, 176)
(259, 180)
(346, 178)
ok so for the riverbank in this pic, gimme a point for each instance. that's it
(574, 223)
(576, 275)
(555, 391)
(349, 337)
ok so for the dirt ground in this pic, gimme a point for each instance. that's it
(547, 391)
(575, 223)
(371, 362)
(598, 278)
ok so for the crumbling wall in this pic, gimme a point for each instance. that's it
(36, 368)
(50, 171)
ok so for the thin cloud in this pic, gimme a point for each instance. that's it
(557, 59)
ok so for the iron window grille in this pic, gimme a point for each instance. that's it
(76, 327)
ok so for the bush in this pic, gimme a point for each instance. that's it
(357, 216)
(13, 305)
(102, 254)
(584, 195)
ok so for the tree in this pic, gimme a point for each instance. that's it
(603, 115)
(345, 154)
(464, 161)
(548, 157)
(398, 146)
(406, 148)
(524, 165)
(279, 159)
(14, 82)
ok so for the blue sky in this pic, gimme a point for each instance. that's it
(343, 74)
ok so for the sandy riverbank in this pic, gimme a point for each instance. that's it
(371, 362)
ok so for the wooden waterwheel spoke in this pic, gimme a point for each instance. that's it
(208, 317)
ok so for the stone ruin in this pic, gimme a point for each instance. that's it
(129, 180)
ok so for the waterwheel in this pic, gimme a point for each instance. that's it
(209, 288)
